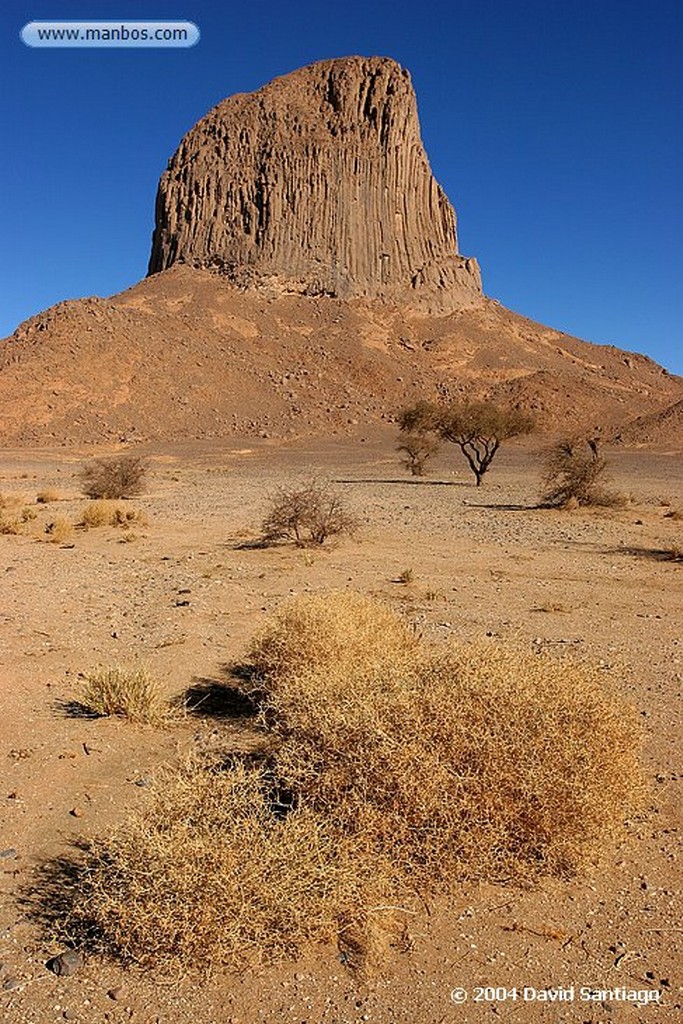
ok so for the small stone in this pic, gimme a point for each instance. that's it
(66, 964)
(76, 812)
(9, 854)
(299, 976)
(9, 984)
(70, 1015)
(116, 993)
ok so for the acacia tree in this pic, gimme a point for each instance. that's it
(477, 428)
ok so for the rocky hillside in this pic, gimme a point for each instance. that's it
(185, 354)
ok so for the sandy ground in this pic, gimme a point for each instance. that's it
(183, 597)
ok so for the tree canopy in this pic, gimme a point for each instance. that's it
(477, 428)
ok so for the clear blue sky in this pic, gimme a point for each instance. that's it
(555, 127)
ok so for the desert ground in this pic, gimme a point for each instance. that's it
(183, 593)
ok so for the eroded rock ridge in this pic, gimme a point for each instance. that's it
(318, 184)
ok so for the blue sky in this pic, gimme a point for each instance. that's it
(555, 127)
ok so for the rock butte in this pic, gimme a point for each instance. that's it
(318, 184)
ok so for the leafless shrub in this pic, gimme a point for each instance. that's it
(416, 450)
(308, 514)
(118, 477)
(575, 474)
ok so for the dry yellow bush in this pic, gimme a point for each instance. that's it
(128, 692)
(392, 768)
(14, 514)
(47, 495)
(343, 631)
(110, 513)
(59, 530)
(473, 762)
(10, 521)
(208, 875)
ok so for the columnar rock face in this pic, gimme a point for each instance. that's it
(317, 184)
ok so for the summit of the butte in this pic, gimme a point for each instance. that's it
(318, 183)
(305, 278)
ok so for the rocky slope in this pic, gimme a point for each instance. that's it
(184, 354)
(318, 184)
(656, 429)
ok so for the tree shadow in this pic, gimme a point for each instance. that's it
(412, 483)
(648, 554)
(502, 506)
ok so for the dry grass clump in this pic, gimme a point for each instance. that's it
(340, 631)
(575, 475)
(127, 692)
(469, 763)
(118, 477)
(110, 513)
(208, 875)
(59, 530)
(10, 521)
(14, 514)
(47, 495)
(307, 514)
